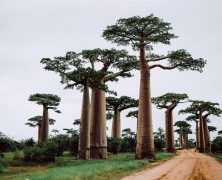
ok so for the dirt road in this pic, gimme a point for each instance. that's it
(188, 165)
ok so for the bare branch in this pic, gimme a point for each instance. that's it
(113, 76)
(158, 59)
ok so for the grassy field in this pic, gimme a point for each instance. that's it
(115, 167)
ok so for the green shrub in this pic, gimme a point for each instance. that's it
(46, 153)
(6, 144)
(63, 143)
(114, 145)
(74, 145)
(217, 144)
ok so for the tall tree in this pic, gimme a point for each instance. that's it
(36, 121)
(79, 70)
(117, 105)
(203, 109)
(183, 131)
(48, 101)
(141, 33)
(196, 120)
(169, 101)
(114, 64)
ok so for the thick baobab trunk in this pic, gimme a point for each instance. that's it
(197, 136)
(206, 135)
(169, 131)
(45, 125)
(84, 142)
(202, 139)
(145, 143)
(39, 134)
(98, 139)
(116, 126)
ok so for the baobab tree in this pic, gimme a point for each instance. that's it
(141, 33)
(117, 105)
(114, 64)
(183, 131)
(196, 120)
(169, 101)
(48, 101)
(36, 121)
(115, 59)
(203, 109)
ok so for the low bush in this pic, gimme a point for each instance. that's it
(46, 153)
(115, 145)
(217, 144)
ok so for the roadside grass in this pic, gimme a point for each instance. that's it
(115, 167)
(217, 156)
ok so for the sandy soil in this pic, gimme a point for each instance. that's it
(188, 165)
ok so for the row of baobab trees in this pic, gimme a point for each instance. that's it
(92, 69)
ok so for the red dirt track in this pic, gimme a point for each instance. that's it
(188, 165)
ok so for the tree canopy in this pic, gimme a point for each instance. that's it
(138, 31)
(169, 99)
(37, 120)
(51, 101)
(122, 103)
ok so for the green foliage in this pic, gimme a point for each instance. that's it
(139, 31)
(183, 60)
(159, 139)
(169, 99)
(183, 126)
(7, 144)
(29, 142)
(73, 145)
(37, 120)
(63, 142)
(114, 145)
(125, 144)
(51, 101)
(217, 144)
(192, 118)
(45, 153)
(128, 141)
(212, 128)
(200, 107)
(77, 69)
(133, 114)
(122, 103)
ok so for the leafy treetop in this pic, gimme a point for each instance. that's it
(50, 101)
(145, 31)
(182, 124)
(204, 108)
(37, 121)
(122, 103)
(133, 114)
(169, 100)
(139, 31)
(212, 128)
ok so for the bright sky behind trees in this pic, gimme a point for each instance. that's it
(31, 30)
